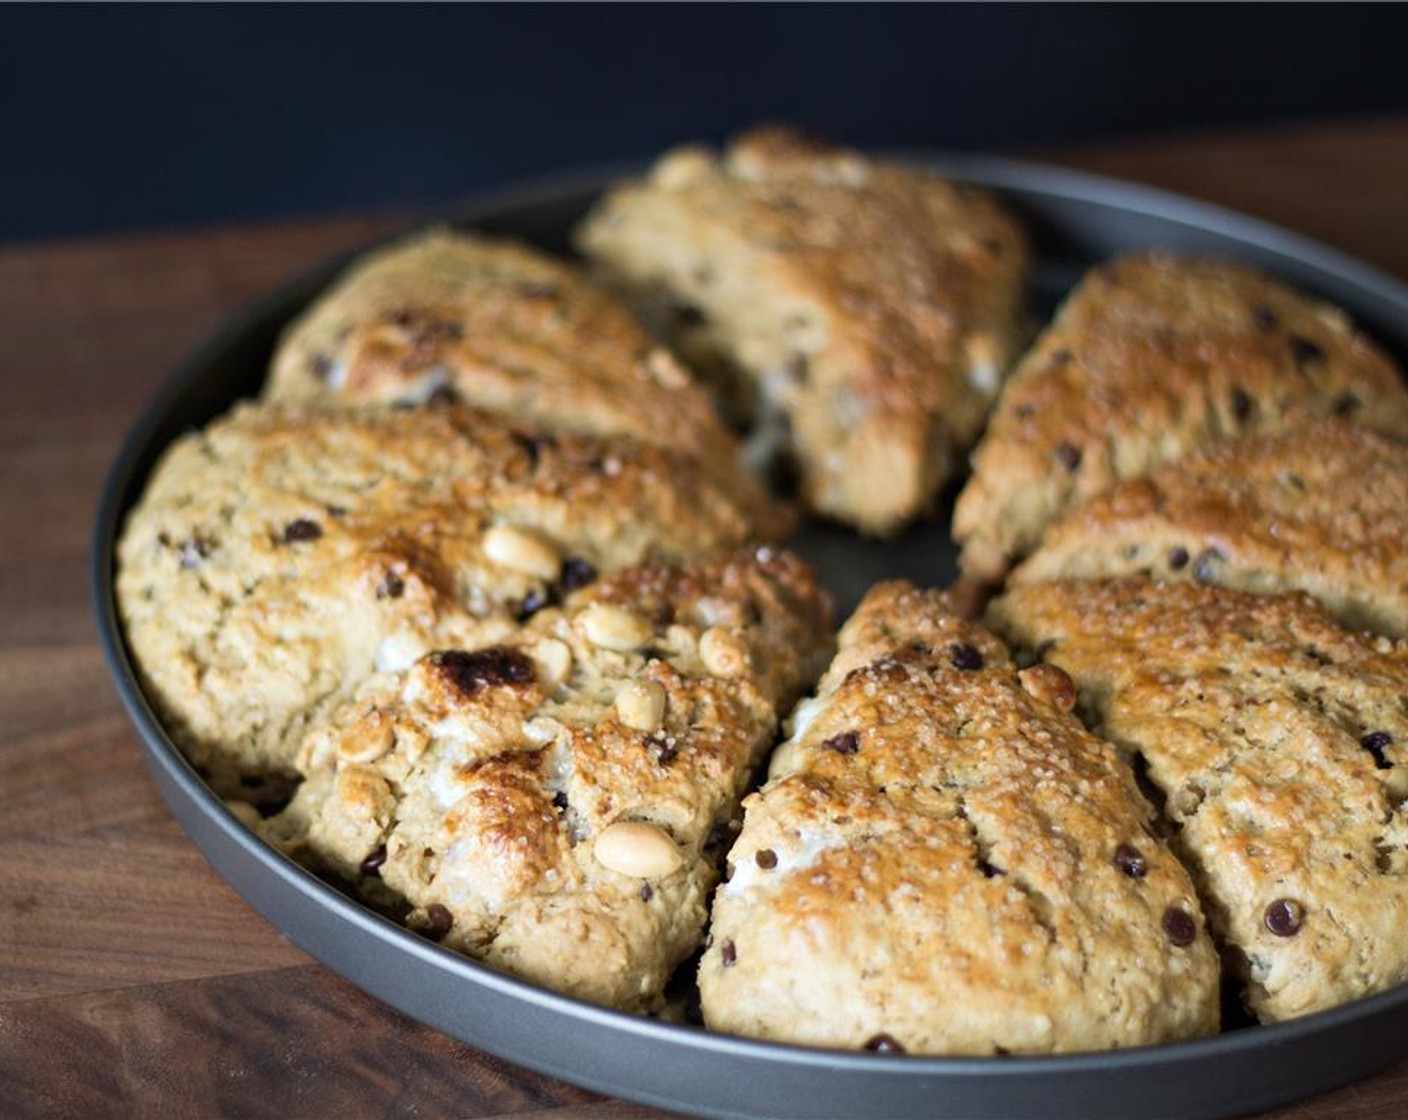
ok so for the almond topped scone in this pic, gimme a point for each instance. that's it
(1321, 509)
(860, 313)
(507, 329)
(1276, 739)
(288, 551)
(945, 861)
(553, 804)
(1150, 358)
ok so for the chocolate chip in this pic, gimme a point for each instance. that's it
(559, 801)
(438, 922)
(965, 657)
(372, 864)
(647, 892)
(1265, 318)
(765, 858)
(1375, 742)
(990, 871)
(728, 953)
(1304, 351)
(847, 742)
(1284, 917)
(532, 603)
(1179, 926)
(576, 573)
(1129, 860)
(1177, 558)
(1204, 567)
(1346, 404)
(1068, 455)
(1241, 405)
(302, 529)
(392, 586)
(469, 673)
(885, 1044)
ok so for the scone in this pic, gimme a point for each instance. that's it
(1150, 358)
(288, 551)
(554, 805)
(869, 308)
(1276, 739)
(507, 329)
(945, 861)
(1321, 509)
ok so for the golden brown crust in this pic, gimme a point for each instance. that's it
(873, 306)
(1321, 509)
(507, 329)
(494, 785)
(945, 859)
(284, 553)
(1150, 358)
(1276, 738)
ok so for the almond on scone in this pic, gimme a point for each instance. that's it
(859, 313)
(553, 805)
(1150, 358)
(944, 861)
(1276, 739)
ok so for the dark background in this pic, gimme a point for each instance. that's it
(119, 118)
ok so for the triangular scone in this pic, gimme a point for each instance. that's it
(554, 805)
(287, 551)
(870, 308)
(1276, 739)
(507, 329)
(1321, 509)
(1150, 358)
(945, 861)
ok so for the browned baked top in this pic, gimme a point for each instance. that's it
(1321, 508)
(945, 861)
(872, 307)
(553, 805)
(1277, 739)
(505, 328)
(1150, 358)
(286, 551)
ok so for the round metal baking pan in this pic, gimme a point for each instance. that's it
(1075, 220)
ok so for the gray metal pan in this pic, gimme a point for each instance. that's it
(1075, 221)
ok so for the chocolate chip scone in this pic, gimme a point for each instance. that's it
(1150, 358)
(870, 309)
(553, 805)
(946, 861)
(1276, 739)
(507, 329)
(288, 551)
(1321, 509)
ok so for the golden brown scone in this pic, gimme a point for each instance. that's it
(945, 861)
(1150, 358)
(870, 308)
(1275, 737)
(554, 805)
(288, 551)
(1321, 509)
(507, 329)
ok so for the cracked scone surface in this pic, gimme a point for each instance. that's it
(1276, 738)
(1321, 509)
(553, 805)
(1150, 358)
(945, 861)
(869, 308)
(287, 551)
(507, 329)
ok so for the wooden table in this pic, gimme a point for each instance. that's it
(132, 980)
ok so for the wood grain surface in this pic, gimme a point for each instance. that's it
(133, 982)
